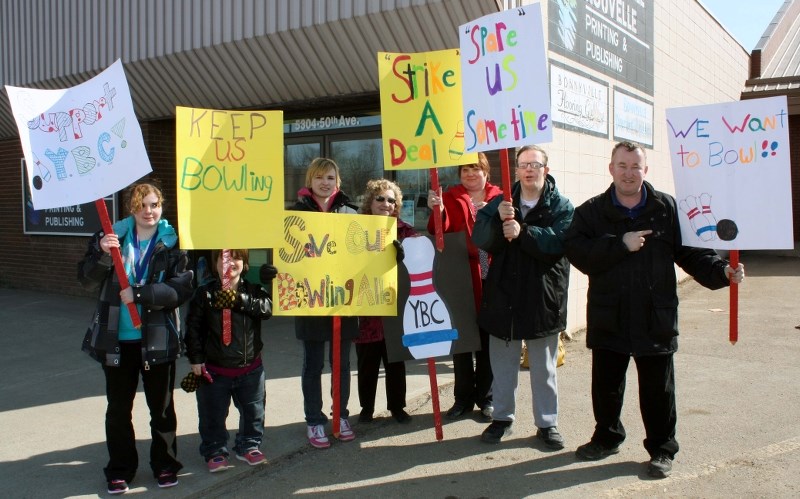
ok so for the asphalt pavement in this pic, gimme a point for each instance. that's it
(737, 419)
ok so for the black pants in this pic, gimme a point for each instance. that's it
(656, 399)
(473, 385)
(121, 385)
(370, 356)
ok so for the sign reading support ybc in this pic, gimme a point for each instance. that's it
(422, 121)
(506, 95)
(82, 143)
(229, 178)
(336, 264)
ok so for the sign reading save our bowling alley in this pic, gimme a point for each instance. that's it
(335, 264)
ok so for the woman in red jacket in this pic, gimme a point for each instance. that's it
(460, 203)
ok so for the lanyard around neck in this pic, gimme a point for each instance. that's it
(140, 261)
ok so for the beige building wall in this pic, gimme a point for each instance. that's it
(696, 61)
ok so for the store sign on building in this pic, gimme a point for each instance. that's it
(633, 118)
(76, 220)
(331, 122)
(580, 102)
(614, 37)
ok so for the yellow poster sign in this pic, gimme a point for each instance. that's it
(421, 110)
(229, 178)
(336, 264)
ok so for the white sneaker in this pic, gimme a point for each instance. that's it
(317, 437)
(345, 431)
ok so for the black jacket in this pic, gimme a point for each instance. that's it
(525, 295)
(204, 326)
(632, 299)
(312, 328)
(167, 286)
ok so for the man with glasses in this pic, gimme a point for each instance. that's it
(525, 298)
(628, 240)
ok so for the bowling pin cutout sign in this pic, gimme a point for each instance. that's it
(435, 305)
(427, 327)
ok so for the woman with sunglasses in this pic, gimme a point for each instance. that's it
(459, 205)
(382, 197)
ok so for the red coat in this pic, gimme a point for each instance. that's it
(458, 214)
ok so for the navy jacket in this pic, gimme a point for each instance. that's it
(525, 295)
(632, 299)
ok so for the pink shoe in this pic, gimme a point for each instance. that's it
(252, 457)
(345, 431)
(317, 437)
(217, 463)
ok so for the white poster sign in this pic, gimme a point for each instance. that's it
(504, 80)
(633, 118)
(580, 102)
(731, 165)
(81, 143)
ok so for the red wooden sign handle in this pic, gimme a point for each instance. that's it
(437, 418)
(336, 348)
(105, 221)
(734, 321)
(437, 212)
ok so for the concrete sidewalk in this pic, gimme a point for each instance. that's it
(52, 404)
(736, 405)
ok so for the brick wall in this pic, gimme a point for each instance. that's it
(50, 262)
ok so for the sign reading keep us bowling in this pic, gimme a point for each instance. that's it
(435, 306)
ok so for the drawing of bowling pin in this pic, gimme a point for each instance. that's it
(705, 209)
(456, 148)
(427, 327)
(690, 212)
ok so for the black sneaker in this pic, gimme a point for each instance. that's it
(496, 431)
(167, 479)
(486, 413)
(457, 411)
(594, 451)
(552, 439)
(365, 417)
(660, 466)
(117, 486)
(401, 416)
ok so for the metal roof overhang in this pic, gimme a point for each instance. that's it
(311, 53)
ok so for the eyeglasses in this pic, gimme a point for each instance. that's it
(532, 164)
(381, 199)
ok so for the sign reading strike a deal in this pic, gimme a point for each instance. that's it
(336, 264)
(503, 66)
(81, 143)
(422, 123)
(229, 175)
(731, 165)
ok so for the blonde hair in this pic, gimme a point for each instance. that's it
(374, 188)
(319, 166)
(140, 191)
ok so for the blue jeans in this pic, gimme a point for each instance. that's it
(313, 362)
(213, 402)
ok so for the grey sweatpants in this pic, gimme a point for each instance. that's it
(542, 354)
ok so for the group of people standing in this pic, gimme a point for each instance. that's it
(626, 240)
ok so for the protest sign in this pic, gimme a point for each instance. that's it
(726, 159)
(504, 74)
(229, 178)
(334, 264)
(421, 114)
(81, 143)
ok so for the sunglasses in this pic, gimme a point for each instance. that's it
(381, 199)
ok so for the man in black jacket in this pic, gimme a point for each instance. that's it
(627, 241)
(525, 297)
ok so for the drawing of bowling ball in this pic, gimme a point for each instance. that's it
(727, 230)
(37, 182)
